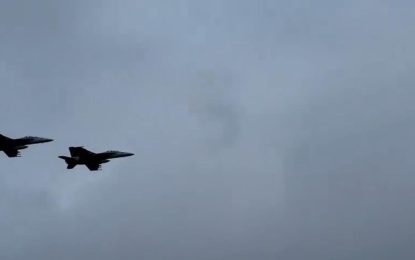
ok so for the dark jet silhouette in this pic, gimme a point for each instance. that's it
(12, 146)
(93, 161)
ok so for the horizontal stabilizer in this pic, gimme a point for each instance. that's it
(70, 161)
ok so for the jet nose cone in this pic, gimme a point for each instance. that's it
(117, 154)
(46, 140)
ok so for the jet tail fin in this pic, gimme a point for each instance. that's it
(70, 161)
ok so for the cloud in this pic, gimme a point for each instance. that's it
(260, 130)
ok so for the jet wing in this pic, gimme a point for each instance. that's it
(93, 166)
(12, 153)
(80, 152)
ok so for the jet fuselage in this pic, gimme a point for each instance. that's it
(81, 156)
(12, 146)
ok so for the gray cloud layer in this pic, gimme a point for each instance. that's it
(262, 129)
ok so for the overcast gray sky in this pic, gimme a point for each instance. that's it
(262, 129)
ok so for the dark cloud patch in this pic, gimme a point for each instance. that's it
(212, 102)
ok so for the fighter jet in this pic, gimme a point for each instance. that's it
(12, 146)
(81, 156)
